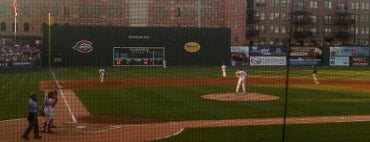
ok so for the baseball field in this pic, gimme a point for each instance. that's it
(193, 104)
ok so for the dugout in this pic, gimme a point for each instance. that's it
(69, 45)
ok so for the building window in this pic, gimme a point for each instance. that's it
(274, 29)
(283, 29)
(275, 3)
(327, 31)
(328, 4)
(274, 16)
(26, 27)
(328, 19)
(314, 31)
(300, 6)
(26, 9)
(82, 9)
(261, 15)
(313, 4)
(89, 10)
(260, 28)
(97, 10)
(260, 3)
(111, 10)
(313, 18)
(364, 18)
(119, 10)
(186, 11)
(3, 26)
(285, 3)
(44, 10)
(66, 11)
(160, 11)
(55, 10)
(3, 8)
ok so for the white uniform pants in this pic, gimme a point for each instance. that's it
(241, 82)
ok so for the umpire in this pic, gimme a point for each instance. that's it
(32, 118)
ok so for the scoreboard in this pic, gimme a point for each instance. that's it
(138, 56)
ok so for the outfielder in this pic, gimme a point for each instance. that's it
(241, 74)
(101, 74)
(314, 75)
(49, 112)
(223, 70)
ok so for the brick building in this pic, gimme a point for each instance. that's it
(260, 21)
(32, 14)
(308, 21)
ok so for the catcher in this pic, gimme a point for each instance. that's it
(241, 75)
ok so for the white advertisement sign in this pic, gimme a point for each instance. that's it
(267, 61)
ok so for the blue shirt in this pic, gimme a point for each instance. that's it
(32, 106)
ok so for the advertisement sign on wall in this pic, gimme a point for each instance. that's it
(239, 55)
(267, 61)
(304, 61)
(339, 61)
(305, 56)
(341, 51)
(267, 51)
(360, 51)
(360, 61)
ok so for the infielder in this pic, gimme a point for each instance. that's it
(223, 70)
(49, 104)
(241, 74)
(314, 75)
(101, 74)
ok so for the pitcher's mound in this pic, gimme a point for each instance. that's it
(240, 97)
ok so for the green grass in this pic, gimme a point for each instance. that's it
(185, 103)
(335, 132)
(325, 72)
(15, 93)
(178, 103)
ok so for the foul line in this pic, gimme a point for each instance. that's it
(64, 98)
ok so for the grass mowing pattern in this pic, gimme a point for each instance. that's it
(185, 102)
(335, 132)
(176, 103)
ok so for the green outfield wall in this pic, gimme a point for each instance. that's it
(93, 45)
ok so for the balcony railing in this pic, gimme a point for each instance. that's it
(343, 34)
(340, 10)
(252, 20)
(302, 34)
(342, 21)
(300, 11)
(251, 33)
(303, 21)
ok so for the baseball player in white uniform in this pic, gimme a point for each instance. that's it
(223, 70)
(241, 74)
(49, 104)
(314, 75)
(101, 74)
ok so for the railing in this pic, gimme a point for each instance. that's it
(302, 34)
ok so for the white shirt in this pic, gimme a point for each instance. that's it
(49, 105)
(242, 74)
(223, 68)
(101, 72)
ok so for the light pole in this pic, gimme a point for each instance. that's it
(199, 13)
